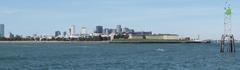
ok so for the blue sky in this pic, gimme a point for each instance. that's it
(184, 17)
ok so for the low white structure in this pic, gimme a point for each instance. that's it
(157, 37)
(131, 36)
(163, 37)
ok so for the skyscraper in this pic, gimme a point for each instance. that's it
(11, 35)
(106, 31)
(72, 30)
(112, 31)
(1, 30)
(57, 33)
(119, 29)
(64, 34)
(99, 29)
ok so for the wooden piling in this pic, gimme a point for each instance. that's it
(230, 42)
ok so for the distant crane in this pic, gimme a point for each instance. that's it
(227, 38)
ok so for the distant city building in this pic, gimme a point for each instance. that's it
(1, 30)
(18, 36)
(128, 31)
(11, 35)
(112, 31)
(57, 33)
(69, 31)
(72, 30)
(132, 31)
(125, 30)
(47, 36)
(119, 29)
(64, 34)
(108, 31)
(83, 30)
(99, 29)
(35, 36)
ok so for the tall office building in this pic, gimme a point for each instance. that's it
(99, 29)
(83, 30)
(112, 31)
(11, 35)
(119, 29)
(106, 31)
(72, 30)
(57, 33)
(69, 32)
(1, 30)
(64, 34)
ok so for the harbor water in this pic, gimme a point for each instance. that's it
(105, 56)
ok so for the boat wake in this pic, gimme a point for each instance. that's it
(83, 46)
(160, 50)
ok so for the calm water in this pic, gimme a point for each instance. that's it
(79, 56)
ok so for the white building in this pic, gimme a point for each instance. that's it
(155, 37)
(72, 31)
(83, 30)
(163, 36)
(119, 29)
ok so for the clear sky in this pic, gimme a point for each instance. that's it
(184, 17)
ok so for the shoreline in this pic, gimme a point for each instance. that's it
(96, 42)
(54, 41)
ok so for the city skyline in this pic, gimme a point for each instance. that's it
(201, 17)
(72, 31)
